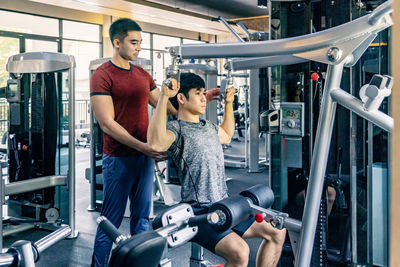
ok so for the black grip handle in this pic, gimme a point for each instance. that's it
(198, 220)
(212, 218)
(108, 228)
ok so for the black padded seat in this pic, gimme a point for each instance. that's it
(144, 249)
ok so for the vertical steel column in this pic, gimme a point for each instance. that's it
(318, 167)
(211, 111)
(254, 125)
(370, 238)
(92, 178)
(71, 151)
(246, 125)
(2, 197)
(353, 177)
(389, 165)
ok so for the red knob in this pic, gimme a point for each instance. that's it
(314, 76)
(24, 147)
(258, 217)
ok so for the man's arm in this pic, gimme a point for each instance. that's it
(158, 137)
(103, 109)
(212, 94)
(154, 96)
(227, 127)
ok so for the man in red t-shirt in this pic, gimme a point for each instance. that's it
(120, 93)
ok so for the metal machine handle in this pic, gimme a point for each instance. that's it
(49, 240)
(13, 255)
(6, 259)
(110, 230)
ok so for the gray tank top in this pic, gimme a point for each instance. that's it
(198, 154)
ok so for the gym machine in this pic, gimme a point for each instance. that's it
(252, 153)
(338, 47)
(178, 225)
(23, 253)
(41, 181)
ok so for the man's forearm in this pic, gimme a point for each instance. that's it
(228, 123)
(156, 132)
(120, 134)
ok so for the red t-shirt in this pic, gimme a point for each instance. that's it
(130, 92)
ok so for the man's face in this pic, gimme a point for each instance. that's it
(197, 101)
(129, 47)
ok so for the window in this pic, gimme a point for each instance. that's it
(145, 40)
(8, 47)
(17, 22)
(160, 42)
(81, 31)
(190, 41)
(83, 52)
(158, 67)
(40, 46)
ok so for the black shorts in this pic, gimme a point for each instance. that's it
(208, 238)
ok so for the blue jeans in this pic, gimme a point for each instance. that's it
(124, 177)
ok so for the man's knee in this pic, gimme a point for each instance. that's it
(236, 253)
(239, 255)
(275, 235)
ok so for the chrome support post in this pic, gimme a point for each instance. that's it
(71, 152)
(92, 178)
(318, 167)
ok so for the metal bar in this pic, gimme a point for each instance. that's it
(6, 260)
(1, 205)
(389, 185)
(311, 119)
(92, 201)
(263, 62)
(289, 223)
(254, 124)
(229, 27)
(353, 176)
(318, 167)
(380, 12)
(353, 210)
(211, 110)
(34, 184)
(345, 37)
(369, 196)
(168, 229)
(354, 104)
(71, 151)
(246, 124)
(49, 240)
(244, 29)
(18, 229)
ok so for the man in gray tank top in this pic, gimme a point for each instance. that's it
(195, 147)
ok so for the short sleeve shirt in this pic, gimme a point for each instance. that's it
(198, 154)
(130, 92)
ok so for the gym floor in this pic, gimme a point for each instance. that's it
(78, 252)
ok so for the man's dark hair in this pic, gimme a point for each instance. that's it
(188, 81)
(120, 28)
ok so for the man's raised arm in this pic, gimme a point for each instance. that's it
(227, 127)
(153, 100)
(158, 137)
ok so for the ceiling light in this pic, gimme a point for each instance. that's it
(262, 3)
